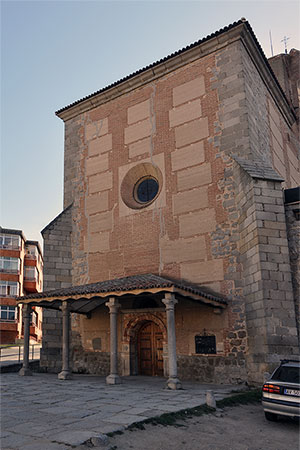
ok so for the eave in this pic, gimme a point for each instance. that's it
(240, 30)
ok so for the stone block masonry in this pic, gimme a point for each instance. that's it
(215, 220)
(268, 292)
(293, 235)
(57, 274)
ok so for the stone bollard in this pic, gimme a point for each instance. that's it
(210, 399)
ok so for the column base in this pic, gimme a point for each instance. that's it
(64, 375)
(25, 372)
(173, 383)
(113, 379)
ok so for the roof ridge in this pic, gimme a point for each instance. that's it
(56, 218)
(129, 283)
(164, 59)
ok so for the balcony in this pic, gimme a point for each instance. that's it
(30, 261)
(9, 265)
(30, 256)
(9, 270)
(10, 247)
(30, 284)
(10, 242)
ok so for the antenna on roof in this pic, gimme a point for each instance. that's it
(285, 39)
(271, 44)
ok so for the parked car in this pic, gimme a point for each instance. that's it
(281, 393)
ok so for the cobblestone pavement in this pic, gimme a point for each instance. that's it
(44, 413)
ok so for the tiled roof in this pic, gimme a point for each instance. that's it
(189, 47)
(128, 284)
(258, 169)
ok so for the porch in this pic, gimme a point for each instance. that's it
(147, 344)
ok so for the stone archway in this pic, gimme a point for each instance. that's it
(133, 326)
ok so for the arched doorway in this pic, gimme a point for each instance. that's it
(150, 350)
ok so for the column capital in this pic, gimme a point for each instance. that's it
(65, 307)
(170, 301)
(113, 305)
(26, 309)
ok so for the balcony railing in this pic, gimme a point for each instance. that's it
(7, 270)
(29, 256)
(9, 320)
(10, 247)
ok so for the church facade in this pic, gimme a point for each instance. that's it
(173, 252)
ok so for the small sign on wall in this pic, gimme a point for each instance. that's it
(205, 345)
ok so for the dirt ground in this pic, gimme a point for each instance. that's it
(236, 428)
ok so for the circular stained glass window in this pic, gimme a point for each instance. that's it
(146, 190)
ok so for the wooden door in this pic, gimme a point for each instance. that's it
(150, 350)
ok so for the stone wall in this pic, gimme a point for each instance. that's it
(293, 234)
(90, 362)
(57, 274)
(287, 68)
(268, 293)
(212, 369)
(212, 223)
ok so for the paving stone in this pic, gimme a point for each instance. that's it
(15, 441)
(137, 410)
(153, 412)
(55, 415)
(44, 445)
(74, 437)
(125, 418)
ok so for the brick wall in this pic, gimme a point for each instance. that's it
(212, 223)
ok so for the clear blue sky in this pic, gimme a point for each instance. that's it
(56, 52)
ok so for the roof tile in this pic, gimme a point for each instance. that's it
(147, 281)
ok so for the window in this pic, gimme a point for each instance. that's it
(141, 185)
(146, 189)
(31, 252)
(31, 273)
(7, 313)
(9, 288)
(9, 264)
(205, 345)
(11, 241)
(287, 374)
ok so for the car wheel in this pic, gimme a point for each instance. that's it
(271, 416)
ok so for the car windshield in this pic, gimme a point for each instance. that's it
(288, 374)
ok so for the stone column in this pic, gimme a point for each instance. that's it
(170, 302)
(113, 377)
(25, 370)
(65, 374)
